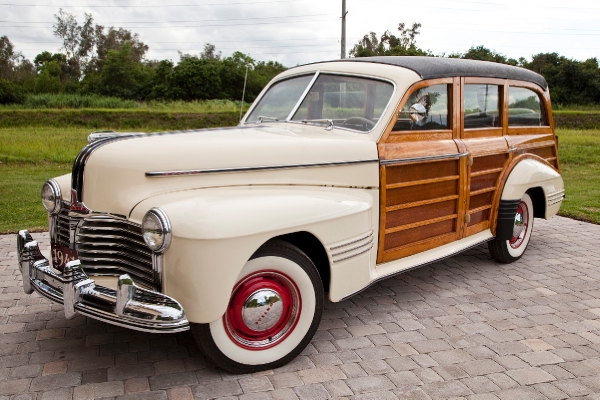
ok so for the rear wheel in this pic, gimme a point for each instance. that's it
(274, 311)
(507, 251)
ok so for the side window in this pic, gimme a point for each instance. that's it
(524, 108)
(481, 106)
(425, 110)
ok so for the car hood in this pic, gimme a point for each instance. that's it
(121, 173)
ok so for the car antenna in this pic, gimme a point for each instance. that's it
(243, 92)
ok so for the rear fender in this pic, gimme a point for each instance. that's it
(525, 173)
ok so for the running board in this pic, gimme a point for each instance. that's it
(391, 268)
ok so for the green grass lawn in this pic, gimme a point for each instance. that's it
(29, 156)
(579, 156)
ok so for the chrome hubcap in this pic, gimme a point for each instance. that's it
(262, 310)
(520, 226)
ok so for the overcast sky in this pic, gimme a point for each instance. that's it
(302, 31)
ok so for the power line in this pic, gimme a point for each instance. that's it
(201, 20)
(186, 26)
(150, 6)
(486, 10)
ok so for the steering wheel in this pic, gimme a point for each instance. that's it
(367, 124)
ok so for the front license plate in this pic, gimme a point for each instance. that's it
(61, 255)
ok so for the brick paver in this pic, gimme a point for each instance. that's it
(465, 327)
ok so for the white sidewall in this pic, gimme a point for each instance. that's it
(521, 249)
(256, 357)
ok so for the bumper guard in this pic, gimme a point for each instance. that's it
(129, 306)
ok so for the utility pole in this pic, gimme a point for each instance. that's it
(344, 12)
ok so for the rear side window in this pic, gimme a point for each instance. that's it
(481, 106)
(426, 109)
(524, 108)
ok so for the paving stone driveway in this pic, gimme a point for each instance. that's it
(466, 327)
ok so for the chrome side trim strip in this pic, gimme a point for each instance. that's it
(555, 198)
(354, 255)
(352, 242)
(81, 159)
(352, 249)
(428, 158)
(161, 174)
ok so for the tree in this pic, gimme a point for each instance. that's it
(571, 81)
(123, 76)
(48, 81)
(389, 44)
(14, 67)
(485, 54)
(10, 92)
(195, 78)
(115, 39)
(78, 40)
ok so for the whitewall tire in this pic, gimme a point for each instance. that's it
(273, 312)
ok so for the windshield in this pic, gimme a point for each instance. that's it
(335, 100)
(280, 100)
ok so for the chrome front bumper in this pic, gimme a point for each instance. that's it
(129, 306)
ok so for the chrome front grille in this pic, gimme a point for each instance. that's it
(61, 228)
(109, 246)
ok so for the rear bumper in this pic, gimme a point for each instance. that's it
(129, 306)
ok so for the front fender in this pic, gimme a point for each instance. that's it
(216, 230)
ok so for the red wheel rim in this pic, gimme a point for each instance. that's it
(263, 310)
(521, 226)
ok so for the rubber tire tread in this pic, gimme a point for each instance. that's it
(499, 248)
(279, 248)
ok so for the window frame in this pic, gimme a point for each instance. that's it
(502, 110)
(544, 97)
(389, 135)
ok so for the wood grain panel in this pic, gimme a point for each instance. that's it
(479, 216)
(489, 162)
(421, 192)
(407, 237)
(411, 215)
(480, 200)
(417, 172)
(486, 146)
(483, 182)
(544, 152)
(404, 150)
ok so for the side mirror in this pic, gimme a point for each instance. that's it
(417, 112)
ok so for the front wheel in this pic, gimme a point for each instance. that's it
(507, 251)
(273, 313)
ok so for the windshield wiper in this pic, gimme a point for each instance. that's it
(329, 122)
(262, 118)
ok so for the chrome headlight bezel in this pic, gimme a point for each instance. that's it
(156, 224)
(51, 203)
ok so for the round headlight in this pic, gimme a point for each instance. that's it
(156, 230)
(51, 196)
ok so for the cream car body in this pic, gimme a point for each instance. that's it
(227, 192)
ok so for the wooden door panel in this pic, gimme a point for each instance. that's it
(399, 241)
(422, 205)
(484, 176)
(411, 215)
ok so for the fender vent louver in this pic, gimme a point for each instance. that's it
(351, 248)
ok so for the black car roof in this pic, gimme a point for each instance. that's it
(438, 67)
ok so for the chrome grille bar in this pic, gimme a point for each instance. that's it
(109, 246)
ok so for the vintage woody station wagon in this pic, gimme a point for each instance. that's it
(341, 174)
